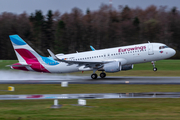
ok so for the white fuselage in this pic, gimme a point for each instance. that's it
(133, 54)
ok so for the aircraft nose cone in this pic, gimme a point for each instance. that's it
(173, 52)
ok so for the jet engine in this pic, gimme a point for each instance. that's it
(127, 67)
(112, 67)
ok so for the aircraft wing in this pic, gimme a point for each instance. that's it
(79, 63)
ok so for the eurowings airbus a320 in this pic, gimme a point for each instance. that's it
(106, 60)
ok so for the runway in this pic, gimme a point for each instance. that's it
(92, 96)
(108, 80)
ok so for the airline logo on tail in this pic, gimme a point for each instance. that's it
(28, 58)
(17, 40)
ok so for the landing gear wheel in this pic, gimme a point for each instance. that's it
(103, 75)
(154, 69)
(94, 76)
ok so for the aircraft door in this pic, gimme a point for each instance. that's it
(150, 49)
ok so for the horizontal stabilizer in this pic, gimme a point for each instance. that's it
(22, 65)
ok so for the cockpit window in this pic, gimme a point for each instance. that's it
(162, 47)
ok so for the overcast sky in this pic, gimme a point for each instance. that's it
(19, 6)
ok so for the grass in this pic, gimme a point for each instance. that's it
(105, 109)
(161, 65)
(86, 88)
(3, 64)
(102, 109)
(165, 68)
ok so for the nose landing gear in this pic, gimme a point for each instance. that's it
(154, 68)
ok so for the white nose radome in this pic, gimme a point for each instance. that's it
(173, 52)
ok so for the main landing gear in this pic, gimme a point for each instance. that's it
(94, 75)
(102, 75)
(154, 68)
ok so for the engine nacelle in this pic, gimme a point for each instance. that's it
(112, 67)
(127, 67)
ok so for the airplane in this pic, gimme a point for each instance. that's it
(106, 60)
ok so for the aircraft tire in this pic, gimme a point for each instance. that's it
(103, 75)
(94, 76)
(154, 69)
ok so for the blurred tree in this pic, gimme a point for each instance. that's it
(126, 14)
(88, 11)
(60, 44)
(48, 32)
(174, 10)
(102, 28)
(151, 29)
(37, 22)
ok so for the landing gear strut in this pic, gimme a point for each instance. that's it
(103, 75)
(94, 75)
(154, 68)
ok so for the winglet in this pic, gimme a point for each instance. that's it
(52, 55)
(92, 48)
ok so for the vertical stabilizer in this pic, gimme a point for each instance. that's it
(23, 51)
